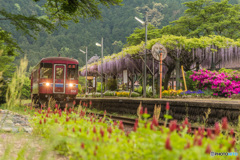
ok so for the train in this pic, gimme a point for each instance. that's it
(54, 78)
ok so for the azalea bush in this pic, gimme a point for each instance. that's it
(85, 136)
(222, 84)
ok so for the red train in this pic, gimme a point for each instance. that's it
(55, 77)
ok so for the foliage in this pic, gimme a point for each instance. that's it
(139, 35)
(135, 94)
(222, 84)
(15, 86)
(138, 90)
(109, 93)
(155, 14)
(229, 71)
(206, 17)
(78, 135)
(149, 92)
(99, 87)
(191, 85)
(26, 89)
(112, 84)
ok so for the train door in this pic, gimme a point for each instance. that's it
(59, 78)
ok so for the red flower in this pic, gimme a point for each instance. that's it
(167, 106)
(189, 128)
(90, 103)
(145, 111)
(109, 129)
(185, 121)
(56, 105)
(208, 149)
(82, 145)
(45, 120)
(154, 121)
(167, 144)
(141, 111)
(187, 146)
(73, 129)
(114, 123)
(56, 120)
(224, 123)
(217, 128)
(232, 132)
(152, 126)
(200, 141)
(209, 133)
(74, 102)
(173, 125)
(121, 125)
(101, 132)
(40, 122)
(135, 127)
(232, 142)
(67, 119)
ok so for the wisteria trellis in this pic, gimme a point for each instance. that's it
(226, 53)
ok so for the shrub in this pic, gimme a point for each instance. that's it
(191, 85)
(109, 93)
(135, 94)
(112, 84)
(138, 90)
(222, 84)
(99, 87)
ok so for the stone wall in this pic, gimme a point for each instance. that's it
(179, 109)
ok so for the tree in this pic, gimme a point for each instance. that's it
(155, 14)
(205, 17)
(58, 11)
(139, 35)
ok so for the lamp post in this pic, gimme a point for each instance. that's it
(101, 45)
(145, 54)
(86, 68)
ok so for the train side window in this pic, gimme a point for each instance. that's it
(72, 72)
(59, 73)
(46, 70)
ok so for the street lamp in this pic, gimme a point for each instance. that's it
(86, 67)
(101, 45)
(145, 54)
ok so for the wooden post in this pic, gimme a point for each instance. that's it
(184, 80)
(160, 72)
(153, 86)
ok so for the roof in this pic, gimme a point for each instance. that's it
(59, 59)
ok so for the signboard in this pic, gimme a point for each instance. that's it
(157, 49)
(125, 77)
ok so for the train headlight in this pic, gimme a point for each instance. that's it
(47, 84)
(71, 85)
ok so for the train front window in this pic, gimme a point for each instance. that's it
(59, 73)
(72, 72)
(46, 70)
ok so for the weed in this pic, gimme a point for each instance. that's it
(205, 119)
